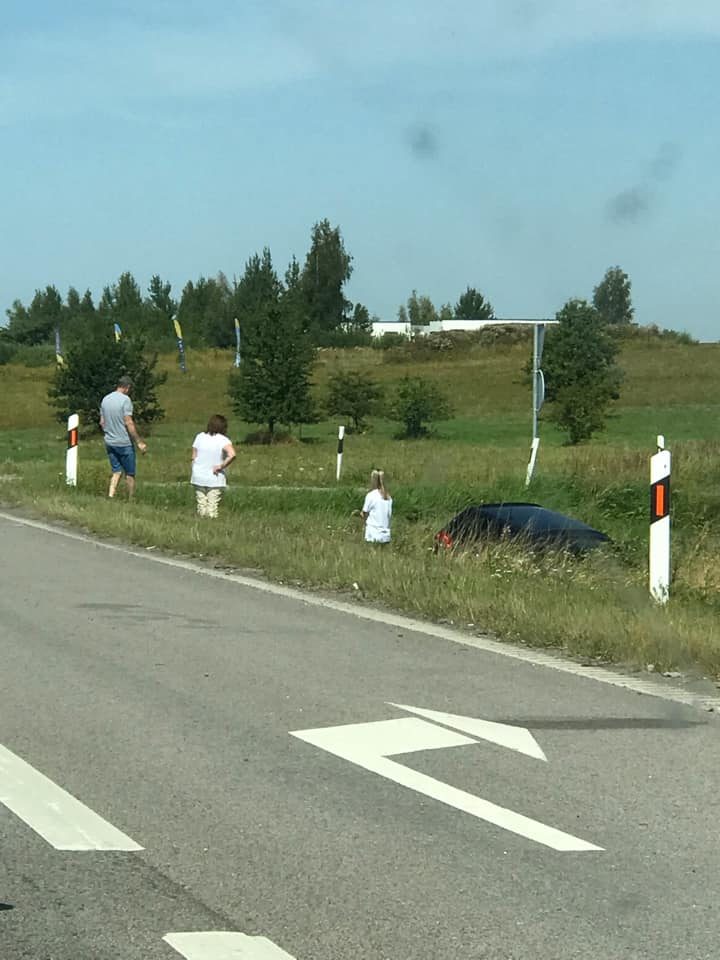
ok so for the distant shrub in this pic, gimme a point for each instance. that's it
(92, 369)
(343, 338)
(626, 332)
(7, 351)
(416, 403)
(389, 340)
(353, 394)
(504, 334)
(424, 347)
(38, 355)
(265, 438)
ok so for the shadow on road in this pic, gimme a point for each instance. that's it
(606, 723)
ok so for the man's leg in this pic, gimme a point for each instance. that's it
(126, 456)
(114, 480)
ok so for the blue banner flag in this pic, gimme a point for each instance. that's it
(58, 349)
(237, 342)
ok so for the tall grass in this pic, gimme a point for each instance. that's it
(285, 516)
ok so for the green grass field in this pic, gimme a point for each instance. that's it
(286, 517)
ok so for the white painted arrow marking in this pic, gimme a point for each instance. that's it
(368, 745)
(224, 946)
(504, 734)
(66, 823)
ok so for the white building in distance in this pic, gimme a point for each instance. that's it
(381, 327)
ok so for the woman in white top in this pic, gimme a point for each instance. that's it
(377, 510)
(212, 453)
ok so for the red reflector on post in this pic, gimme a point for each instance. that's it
(660, 499)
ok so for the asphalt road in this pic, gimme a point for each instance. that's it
(164, 701)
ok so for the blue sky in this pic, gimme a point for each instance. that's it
(520, 146)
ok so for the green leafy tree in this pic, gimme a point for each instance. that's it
(472, 305)
(612, 297)
(92, 369)
(416, 404)
(293, 277)
(87, 307)
(420, 310)
(161, 308)
(205, 312)
(257, 291)
(272, 386)
(581, 375)
(328, 267)
(123, 303)
(36, 323)
(18, 322)
(352, 394)
(79, 316)
(446, 313)
(360, 321)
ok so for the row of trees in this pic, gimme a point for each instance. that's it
(273, 384)
(611, 298)
(420, 311)
(282, 323)
(207, 307)
(259, 393)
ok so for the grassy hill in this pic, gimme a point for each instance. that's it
(286, 516)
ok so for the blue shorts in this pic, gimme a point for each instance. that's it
(122, 459)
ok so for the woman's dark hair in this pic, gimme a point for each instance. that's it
(217, 424)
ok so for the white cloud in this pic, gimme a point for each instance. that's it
(160, 50)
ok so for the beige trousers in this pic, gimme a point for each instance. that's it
(208, 501)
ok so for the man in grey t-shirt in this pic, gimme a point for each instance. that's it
(117, 423)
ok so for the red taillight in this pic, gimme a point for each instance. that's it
(445, 539)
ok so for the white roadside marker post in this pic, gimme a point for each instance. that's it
(538, 396)
(659, 566)
(341, 436)
(71, 457)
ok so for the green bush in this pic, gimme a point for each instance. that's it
(343, 338)
(37, 355)
(389, 340)
(352, 394)
(92, 369)
(416, 403)
(631, 331)
(7, 351)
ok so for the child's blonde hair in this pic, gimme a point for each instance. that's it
(377, 482)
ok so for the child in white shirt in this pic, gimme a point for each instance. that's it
(377, 510)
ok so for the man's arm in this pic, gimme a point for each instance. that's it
(134, 436)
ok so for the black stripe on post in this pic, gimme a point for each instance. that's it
(660, 499)
(341, 440)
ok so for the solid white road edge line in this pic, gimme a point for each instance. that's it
(58, 817)
(217, 945)
(536, 658)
